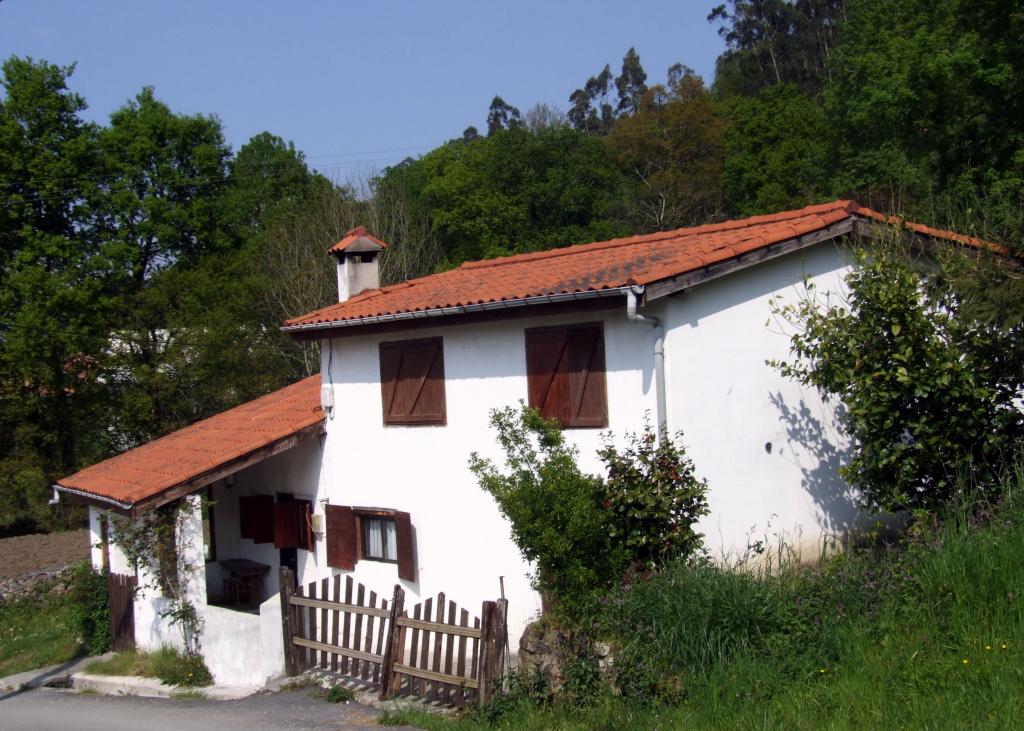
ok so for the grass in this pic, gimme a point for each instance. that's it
(167, 664)
(50, 627)
(336, 694)
(36, 632)
(928, 635)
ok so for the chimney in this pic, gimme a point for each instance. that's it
(358, 255)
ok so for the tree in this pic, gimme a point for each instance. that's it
(56, 286)
(543, 116)
(672, 147)
(931, 396)
(928, 103)
(590, 110)
(772, 42)
(514, 191)
(778, 151)
(502, 116)
(631, 83)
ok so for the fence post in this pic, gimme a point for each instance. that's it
(488, 652)
(394, 649)
(501, 634)
(291, 667)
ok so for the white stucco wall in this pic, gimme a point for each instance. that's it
(462, 542)
(731, 405)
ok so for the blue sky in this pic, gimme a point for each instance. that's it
(356, 86)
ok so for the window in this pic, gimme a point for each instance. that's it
(379, 542)
(412, 382)
(371, 534)
(565, 374)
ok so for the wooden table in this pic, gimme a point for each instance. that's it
(249, 571)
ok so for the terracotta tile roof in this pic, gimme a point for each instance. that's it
(604, 265)
(352, 237)
(174, 459)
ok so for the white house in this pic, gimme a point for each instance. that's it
(363, 470)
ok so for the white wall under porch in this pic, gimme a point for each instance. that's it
(240, 648)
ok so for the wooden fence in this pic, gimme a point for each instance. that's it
(440, 654)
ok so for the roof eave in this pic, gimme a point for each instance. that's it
(456, 310)
(195, 482)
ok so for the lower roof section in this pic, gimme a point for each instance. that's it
(186, 460)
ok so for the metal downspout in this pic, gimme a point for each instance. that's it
(659, 355)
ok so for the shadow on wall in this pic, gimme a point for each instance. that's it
(834, 498)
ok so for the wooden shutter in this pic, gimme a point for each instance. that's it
(291, 527)
(565, 374)
(341, 537)
(412, 382)
(547, 387)
(406, 547)
(588, 399)
(256, 517)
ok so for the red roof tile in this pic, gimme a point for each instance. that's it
(174, 459)
(352, 237)
(604, 265)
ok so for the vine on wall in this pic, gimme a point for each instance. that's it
(159, 543)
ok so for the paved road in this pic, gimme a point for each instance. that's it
(60, 710)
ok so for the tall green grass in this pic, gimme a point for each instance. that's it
(929, 634)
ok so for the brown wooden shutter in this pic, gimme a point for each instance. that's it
(565, 374)
(547, 387)
(256, 517)
(406, 547)
(341, 537)
(291, 529)
(412, 382)
(588, 399)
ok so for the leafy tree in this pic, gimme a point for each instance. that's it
(590, 108)
(672, 147)
(502, 116)
(265, 175)
(55, 288)
(928, 103)
(931, 395)
(772, 42)
(778, 153)
(514, 191)
(631, 83)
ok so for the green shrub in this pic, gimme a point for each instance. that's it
(930, 394)
(556, 511)
(582, 531)
(88, 594)
(182, 670)
(336, 694)
(654, 497)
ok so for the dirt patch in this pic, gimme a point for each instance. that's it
(42, 552)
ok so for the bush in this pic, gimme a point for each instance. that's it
(556, 511)
(582, 531)
(182, 670)
(929, 396)
(654, 498)
(88, 594)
